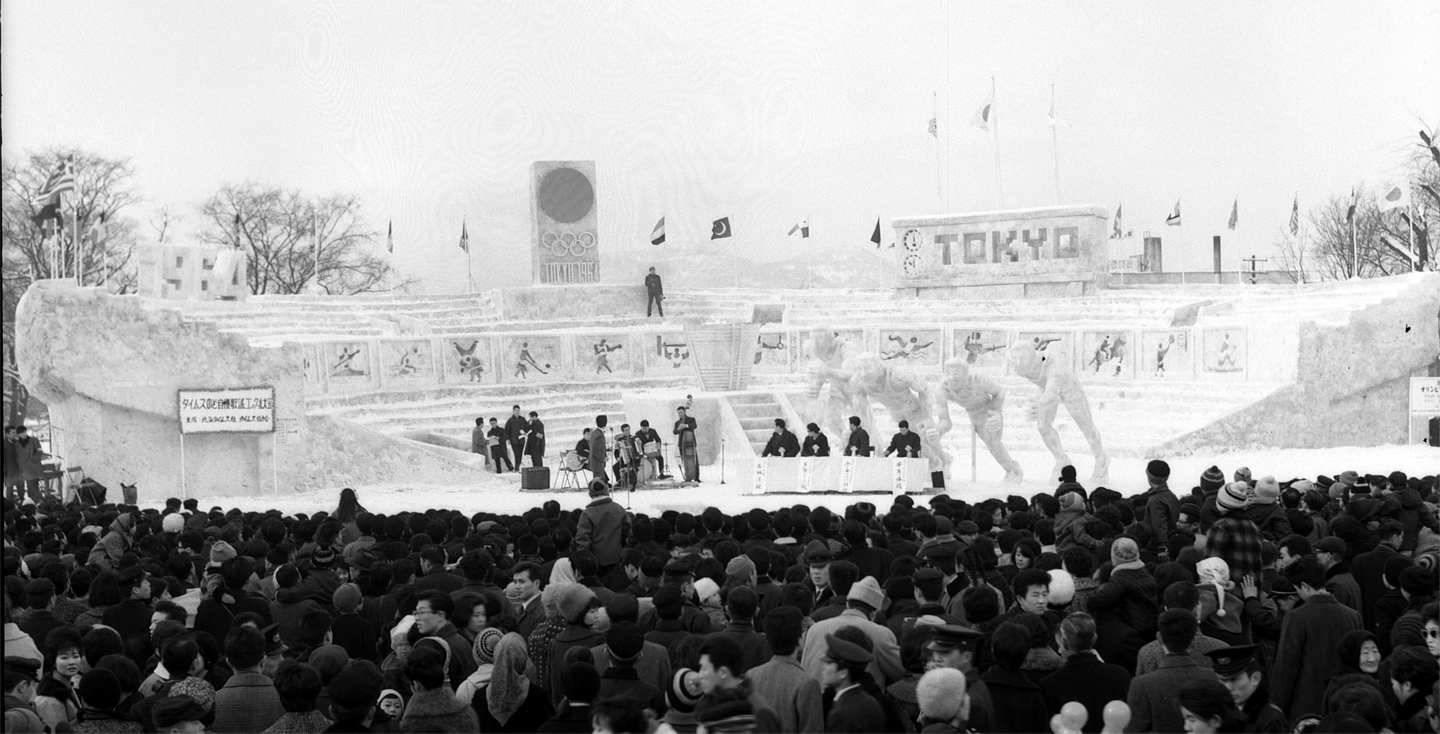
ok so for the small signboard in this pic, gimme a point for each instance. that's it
(1425, 410)
(239, 410)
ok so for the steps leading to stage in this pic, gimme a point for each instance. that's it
(757, 413)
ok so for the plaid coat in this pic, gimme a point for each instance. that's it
(247, 703)
(1236, 539)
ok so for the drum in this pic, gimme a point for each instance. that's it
(646, 472)
(651, 450)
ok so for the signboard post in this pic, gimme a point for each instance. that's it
(226, 410)
(1424, 407)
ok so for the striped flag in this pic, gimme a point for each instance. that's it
(62, 180)
(802, 227)
(464, 238)
(1115, 233)
(1295, 217)
(1350, 211)
(657, 235)
(390, 236)
(1234, 214)
(985, 114)
(1174, 219)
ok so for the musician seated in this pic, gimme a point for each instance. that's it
(625, 455)
(582, 448)
(815, 442)
(905, 443)
(782, 443)
(648, 439)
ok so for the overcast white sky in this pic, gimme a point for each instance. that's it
(762, 111)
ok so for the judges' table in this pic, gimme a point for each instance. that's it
(854, 474)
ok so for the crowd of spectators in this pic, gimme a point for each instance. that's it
(1241, 604)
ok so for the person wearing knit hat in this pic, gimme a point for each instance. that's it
(392, 703)
(1220, 612)
(173, 523)
(177, 714)
(347, 599)
(682, 696)
(1062, 588)
(1124, 550)
(1232, 497)
(1347, 478)
(741, 569)
(575, 603)
(939, 704)
(1267, 491)
(1071, 502)
(1302, 486)
(221, 552)
(1212, 480)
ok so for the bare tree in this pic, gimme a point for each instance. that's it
(1290, 258)
(1422, 170)
(93, 214)
(1336, 251)
(165, 219)
(295, 242)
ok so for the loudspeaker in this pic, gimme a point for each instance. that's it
(564, 237)
(535, 477)
(937, 479)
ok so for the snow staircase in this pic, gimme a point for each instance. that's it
(757, 413)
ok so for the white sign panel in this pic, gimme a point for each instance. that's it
(1425, 395)
(242, 410)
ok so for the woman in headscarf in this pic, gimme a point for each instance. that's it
(1358, 653)
(562, 573)
(444, 647)
(511, 703)
(484, 651)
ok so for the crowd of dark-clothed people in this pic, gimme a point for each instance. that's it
(1240, 604)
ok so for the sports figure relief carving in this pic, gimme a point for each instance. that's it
(984, 399)
(1058, 385)
(828, 353)
(906, 395)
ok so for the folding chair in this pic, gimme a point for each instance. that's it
(570, 468)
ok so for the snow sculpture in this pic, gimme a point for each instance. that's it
(1058, 385)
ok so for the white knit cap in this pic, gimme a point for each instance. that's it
(1216, 571)
(706, 588)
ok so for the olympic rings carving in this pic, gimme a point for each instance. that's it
(562, 243)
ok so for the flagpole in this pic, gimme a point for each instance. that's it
(1410, 232)
(1055, 142)
(939, 171)
(995, 120)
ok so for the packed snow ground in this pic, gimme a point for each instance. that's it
(1126, 476)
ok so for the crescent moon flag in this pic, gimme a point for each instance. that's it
(1295, 217)
(802, 227)
(1174, 219)
(720, 228)
(876, 236)
(982, 116)
(1395, 198)
(1234, 214)
(1115, 234)
(657, 235)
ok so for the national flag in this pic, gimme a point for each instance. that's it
(237, 221)
(803, 227)
(390, 236)
(876, 237)
(98, 229)
(934, 127)
(63, 179)
(464, 238)
(47, 219)
(1295, 217)
(1395, 198)
(1115, 233)
(720, 228)
(986, 113)
(1234, 214)
(1350, 211)
(657, 235)
(1174, 219)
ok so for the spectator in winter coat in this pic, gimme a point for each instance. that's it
(1235, 538)
(1369, 569)
(1019, 706)
(434, 706)
(1308, 639)
(1222, 608)
(1070, 524)
(1152, 697)
(1330, 552)
(1404, 503)
(291, 603)
(602, 525)
(1162, 507)
(1130, 592)
(1264, 510)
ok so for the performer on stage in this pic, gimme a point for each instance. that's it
(496, 438)
(859, 444)
(689, 454)
(782, 442)
(905, 443)
(597, 449)
(650, 447)
(815, 442)
(535, 440)
(625, 458)
(515, 427)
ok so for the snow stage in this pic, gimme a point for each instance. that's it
(380, 393)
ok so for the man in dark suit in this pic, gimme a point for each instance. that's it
(904, 443)
(535, 440)
(515, 428)
(859, 444)
(1084, 677)
(498, 454)
(853, 710)
(1369, 570)
(782, 442)
(434, 576)
(40, 597)
(816, 444)
(655, 293)
(524, 593)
